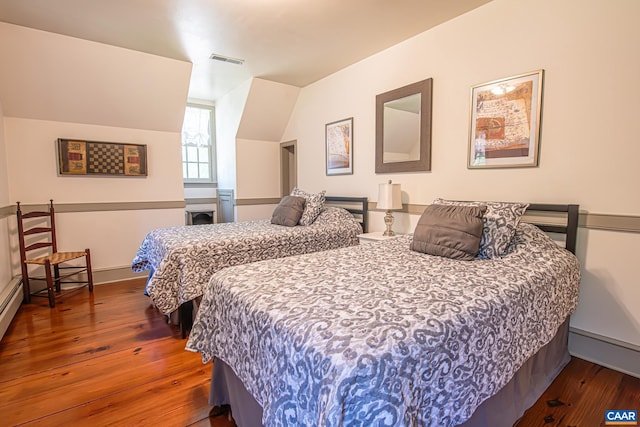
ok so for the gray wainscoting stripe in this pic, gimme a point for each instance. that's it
(627, 223)
(265, 201)
(406, 208)
(6, 211)
(201, 201)
(99, 207)
(611, 222)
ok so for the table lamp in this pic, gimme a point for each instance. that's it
(389, 198)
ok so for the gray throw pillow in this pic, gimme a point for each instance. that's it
(288, 211)
(449, 231)
(500, 222)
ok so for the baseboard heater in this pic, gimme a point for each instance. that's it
(10, 301)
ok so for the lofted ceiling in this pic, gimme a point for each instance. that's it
(295, 42)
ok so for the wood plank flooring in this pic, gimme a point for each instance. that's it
(110, 358)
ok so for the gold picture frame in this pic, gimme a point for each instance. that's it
(505, 122)
(81, 157)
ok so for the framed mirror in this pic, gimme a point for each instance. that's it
(403, 129)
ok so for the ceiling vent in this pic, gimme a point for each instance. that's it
(228, 59)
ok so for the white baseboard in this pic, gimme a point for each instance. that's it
(100, 277)
(115, 274)
(607, 352)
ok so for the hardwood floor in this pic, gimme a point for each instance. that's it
(581, 394)
(103, 359)
(111, 359)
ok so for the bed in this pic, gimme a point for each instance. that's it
(380, 334)
(181, 259)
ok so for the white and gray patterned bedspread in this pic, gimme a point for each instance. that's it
(182, 259)
(380, 335)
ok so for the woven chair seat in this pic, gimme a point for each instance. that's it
(55, 258)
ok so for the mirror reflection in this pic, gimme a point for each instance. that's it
(402, 129)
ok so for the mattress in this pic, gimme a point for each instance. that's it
(381, 334)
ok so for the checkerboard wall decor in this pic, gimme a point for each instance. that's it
(76, 157)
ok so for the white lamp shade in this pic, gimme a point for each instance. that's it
(389, 196)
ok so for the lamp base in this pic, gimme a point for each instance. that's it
(388, 220)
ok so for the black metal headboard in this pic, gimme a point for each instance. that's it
(570, 230)
(358, 206)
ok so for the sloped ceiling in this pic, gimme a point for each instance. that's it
(286, 41)
(267, 110)
(48, 76)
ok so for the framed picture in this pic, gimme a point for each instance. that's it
(339, 147)
(505, 122)
(77, 157)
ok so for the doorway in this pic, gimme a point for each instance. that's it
(288, 168)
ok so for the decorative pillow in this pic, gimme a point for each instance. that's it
(449, 231)
(313, 207)
(500, 222)
(288, 211)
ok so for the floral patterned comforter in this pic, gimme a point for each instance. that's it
(181, 260)
(380, 335)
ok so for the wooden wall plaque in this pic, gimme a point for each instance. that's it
(78, 157)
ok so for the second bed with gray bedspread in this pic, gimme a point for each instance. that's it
(181, 260)
(381, 335)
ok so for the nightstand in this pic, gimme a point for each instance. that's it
(375, 236)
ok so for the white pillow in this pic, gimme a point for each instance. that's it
(312, 208)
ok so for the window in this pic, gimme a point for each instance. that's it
(198, 145)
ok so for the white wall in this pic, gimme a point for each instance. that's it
(254, 212)
(33, 175)
(588, 110)
(258, 176)
(5, 257)
(54, 86)
(250, 121)
(609, 288)
(200, 192)
(258, 169)
(264, 119)
(112, 237)
(10, 296)
(589, 150)
(228, 115)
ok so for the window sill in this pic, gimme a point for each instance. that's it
(200, 184)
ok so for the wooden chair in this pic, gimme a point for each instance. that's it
(45, 229)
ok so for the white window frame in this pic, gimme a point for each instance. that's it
(212, 149)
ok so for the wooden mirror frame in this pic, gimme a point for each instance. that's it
(424, 88)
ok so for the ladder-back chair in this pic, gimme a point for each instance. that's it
(40, 236)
